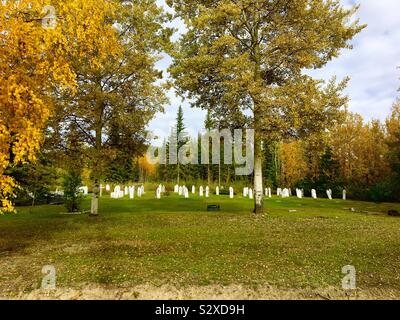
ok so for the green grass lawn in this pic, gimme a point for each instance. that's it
(175, 241)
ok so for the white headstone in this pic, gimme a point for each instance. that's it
(84, 190)
(131, 192)
(158, 193)
(186, 193)
(314, 194)
(251, 196)
(285, 193)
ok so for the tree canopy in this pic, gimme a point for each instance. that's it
(35, 62)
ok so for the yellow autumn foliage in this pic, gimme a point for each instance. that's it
(293, 164)
(35, 54)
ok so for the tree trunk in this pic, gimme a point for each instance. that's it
(94, 211)
(219, 174)
(209, 174)
(258, 179)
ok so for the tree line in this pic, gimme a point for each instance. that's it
(360, 157)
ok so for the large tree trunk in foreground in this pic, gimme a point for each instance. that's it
(179, 174)
(208, 175)
(94, 211)
(219, 174)
(258, 179)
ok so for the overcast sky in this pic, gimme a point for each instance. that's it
(371, 65)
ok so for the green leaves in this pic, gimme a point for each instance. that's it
(251, 54)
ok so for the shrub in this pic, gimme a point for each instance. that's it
(72, 197)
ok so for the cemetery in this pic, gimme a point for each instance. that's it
(190, 240)
(181, 149)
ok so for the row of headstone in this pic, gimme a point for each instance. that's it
(329, 194)
(183, 191)
(203, 192)
(285, 193)
(128, 190)
(248, 192)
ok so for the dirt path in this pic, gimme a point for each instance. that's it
(146, 292)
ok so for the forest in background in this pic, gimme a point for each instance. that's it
(361, 157)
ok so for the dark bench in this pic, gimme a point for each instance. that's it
(213, 207)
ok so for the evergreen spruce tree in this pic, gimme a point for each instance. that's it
(179, 132)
